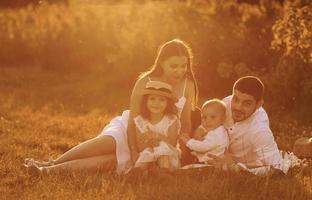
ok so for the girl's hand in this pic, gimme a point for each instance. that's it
(147, 139)
(153, 137)
(142, 141)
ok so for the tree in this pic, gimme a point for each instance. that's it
(292, 34)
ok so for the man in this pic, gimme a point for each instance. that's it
(252, 146)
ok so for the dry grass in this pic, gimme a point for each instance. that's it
(45, 129)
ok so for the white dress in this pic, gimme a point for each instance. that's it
(117, 129)
(151, 154)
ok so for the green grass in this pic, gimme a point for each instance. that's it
(39, 119)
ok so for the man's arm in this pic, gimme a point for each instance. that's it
(265, 147)
(266, 151)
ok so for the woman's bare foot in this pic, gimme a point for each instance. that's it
(31, 161)
(35, 170)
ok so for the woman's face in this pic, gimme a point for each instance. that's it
(174, 68)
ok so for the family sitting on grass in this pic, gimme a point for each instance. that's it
(161, 128)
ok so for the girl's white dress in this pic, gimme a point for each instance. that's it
(117, 128)
(151, 154)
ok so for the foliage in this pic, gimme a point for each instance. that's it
(269, 39)
(293, 32)
(293, 39)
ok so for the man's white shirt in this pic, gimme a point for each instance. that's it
(251, 141)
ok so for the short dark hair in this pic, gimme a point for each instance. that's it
(171, 108)
(251, 85)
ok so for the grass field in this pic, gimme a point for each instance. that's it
(43, 115)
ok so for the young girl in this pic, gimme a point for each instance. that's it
(158, 118)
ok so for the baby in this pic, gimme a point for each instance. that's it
(210, 138)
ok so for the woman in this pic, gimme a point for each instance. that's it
(173, 65)
(117, 144)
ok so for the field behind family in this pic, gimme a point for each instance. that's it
(67, 69)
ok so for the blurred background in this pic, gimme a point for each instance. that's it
(86, 55)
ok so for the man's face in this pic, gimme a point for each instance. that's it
(243, 105)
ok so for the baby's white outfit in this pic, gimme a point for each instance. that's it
(151, 154)
(215, 142)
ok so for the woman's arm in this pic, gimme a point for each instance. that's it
(135, 103)
(186, 126)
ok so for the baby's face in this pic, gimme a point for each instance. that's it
(212, 116)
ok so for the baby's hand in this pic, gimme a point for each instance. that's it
(184, 138)
(200, 138)
(199, 134)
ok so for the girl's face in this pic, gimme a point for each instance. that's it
(212, 117)
(174, 68)
(156, 104)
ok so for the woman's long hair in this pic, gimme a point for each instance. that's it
(175, 47)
